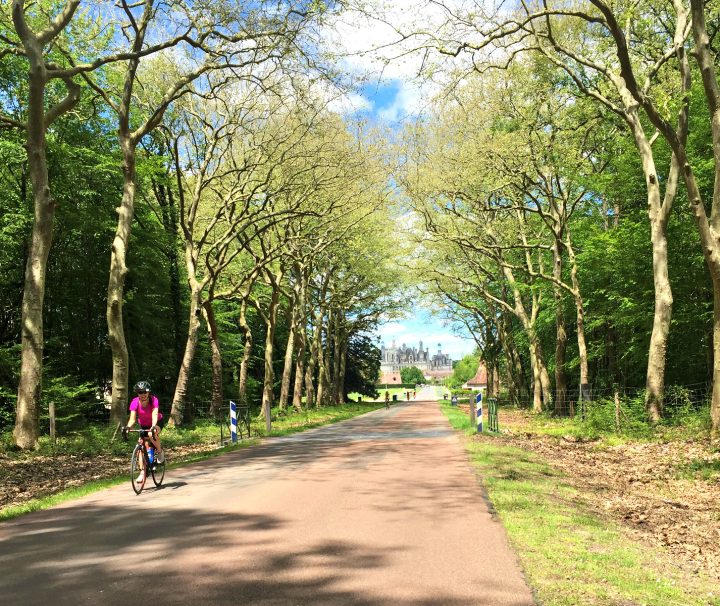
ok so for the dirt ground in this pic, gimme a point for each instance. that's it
(639, 486)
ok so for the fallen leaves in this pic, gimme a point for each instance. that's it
(638, 485)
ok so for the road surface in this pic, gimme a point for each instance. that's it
(381, 509)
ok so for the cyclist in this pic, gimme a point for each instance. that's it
(145, 409)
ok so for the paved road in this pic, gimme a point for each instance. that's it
(382, 509)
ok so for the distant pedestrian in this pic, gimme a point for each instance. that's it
(414, 395)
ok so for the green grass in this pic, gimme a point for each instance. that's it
(702, 469)
(570, 556)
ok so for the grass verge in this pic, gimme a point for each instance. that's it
(572, 557)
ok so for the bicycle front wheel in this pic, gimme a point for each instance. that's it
(136, 468)
(158, 472)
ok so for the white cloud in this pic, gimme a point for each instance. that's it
(372, 50)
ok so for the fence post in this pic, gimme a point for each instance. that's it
(617, 411)
(52, 423)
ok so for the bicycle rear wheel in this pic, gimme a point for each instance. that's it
(136, 467)
(158, 472)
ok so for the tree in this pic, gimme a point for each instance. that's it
(412, 374)
(363, 366)
(464, 370)
(41, 111)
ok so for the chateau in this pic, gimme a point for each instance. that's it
(395, 358)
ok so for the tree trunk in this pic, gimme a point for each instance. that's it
(247, 352)
(544, 375)
(490, 370)
(342, 396)
(269, 378)
(655, 385)
(337, 358)
(217, 370)
(310, 372)
(32, 339)
(315, 359)
(715, 402)
(288, 363)
(321, 375)
(658, 213)
(537, 381)
(116, 284)
(177, 411)
(579, 315)
(560, 334)
(27, 413)
(301, 339)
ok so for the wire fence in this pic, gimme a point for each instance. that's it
(576, 402)
(622, 409)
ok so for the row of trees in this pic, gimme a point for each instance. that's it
(560, 127)
(204, 128)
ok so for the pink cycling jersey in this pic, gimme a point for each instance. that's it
(144, 413)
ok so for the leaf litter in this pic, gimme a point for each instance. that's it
(647, 488)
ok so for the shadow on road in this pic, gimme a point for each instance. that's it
(112, 556)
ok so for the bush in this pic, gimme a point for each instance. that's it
(600, 416)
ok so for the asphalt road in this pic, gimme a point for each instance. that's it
(381, 509)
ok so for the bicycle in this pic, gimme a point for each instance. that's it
(141, 461)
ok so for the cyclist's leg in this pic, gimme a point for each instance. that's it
(156, 436)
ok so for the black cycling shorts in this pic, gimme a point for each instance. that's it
(146, 428)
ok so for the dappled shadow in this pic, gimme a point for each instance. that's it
(114, 555)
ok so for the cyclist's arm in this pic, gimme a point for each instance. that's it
(131, 420)
(155, 414)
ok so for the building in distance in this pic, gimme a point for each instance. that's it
(394, 359)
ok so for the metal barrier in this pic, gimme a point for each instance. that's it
(240, 423)
(492, 407)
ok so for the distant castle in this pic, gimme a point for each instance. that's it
(394, 358)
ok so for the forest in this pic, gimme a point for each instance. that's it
(186, 200)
